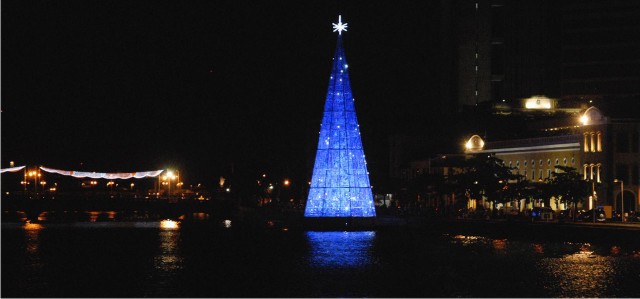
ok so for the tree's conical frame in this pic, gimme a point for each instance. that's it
(340, 184)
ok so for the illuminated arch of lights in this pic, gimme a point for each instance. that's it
(12, 169)
(104, 175)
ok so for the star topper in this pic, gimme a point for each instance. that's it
(339, 27)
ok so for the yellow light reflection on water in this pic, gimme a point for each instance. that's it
(538, 248)
(615, 250)
(499, 245)
(93, 216)
(32, 232)
(578, 274)
(169, 224)
(32, 226)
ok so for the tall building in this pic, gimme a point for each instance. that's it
(340, 184)
(502, 50)
(509, 50)
(600, 45)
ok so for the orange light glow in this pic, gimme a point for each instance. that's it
(169, 224)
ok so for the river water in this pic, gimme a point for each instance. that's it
(165, 259)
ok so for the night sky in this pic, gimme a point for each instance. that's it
(206, 87)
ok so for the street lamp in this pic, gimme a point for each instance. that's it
(594, 199)
(35, 175)
(170, 176)
(621, 197)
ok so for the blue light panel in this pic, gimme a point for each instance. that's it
(340, 183)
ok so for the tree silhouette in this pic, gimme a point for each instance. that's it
(568, 186)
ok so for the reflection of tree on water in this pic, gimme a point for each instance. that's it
(340, 249)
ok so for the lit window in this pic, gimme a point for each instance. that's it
(586, 143)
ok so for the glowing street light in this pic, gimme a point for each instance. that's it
(170, 176)
(35, 175)
(110, 185)
(584, 120)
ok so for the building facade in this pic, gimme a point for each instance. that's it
(604, 150)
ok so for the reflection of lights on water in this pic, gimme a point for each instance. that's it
(32, 226)
(585, 249)
(93, 216)
(468, 240)
(200, 216)
(538, 248)
(615, 250)
(169, 260)
(579, 273)
(169, 224)
(500, 244)
(463, 237)
(32, 231)
(43, 216)
(227, 223)
(341, 249)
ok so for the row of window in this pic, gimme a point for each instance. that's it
(588, 171)
(540, 163)
(592, 142)
(533, 174)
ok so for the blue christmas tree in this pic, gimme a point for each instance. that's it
(340, 183)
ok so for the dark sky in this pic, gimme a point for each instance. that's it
(200, 86)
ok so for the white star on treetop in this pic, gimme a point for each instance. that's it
(339, 27)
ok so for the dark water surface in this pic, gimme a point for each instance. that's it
(153, 259)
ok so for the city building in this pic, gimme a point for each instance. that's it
(604, 149)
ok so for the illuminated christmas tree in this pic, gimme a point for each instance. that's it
(340, 183)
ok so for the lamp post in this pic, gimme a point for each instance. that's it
(170, 176)
(35, 175)
(593, 199)
(621, 197)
